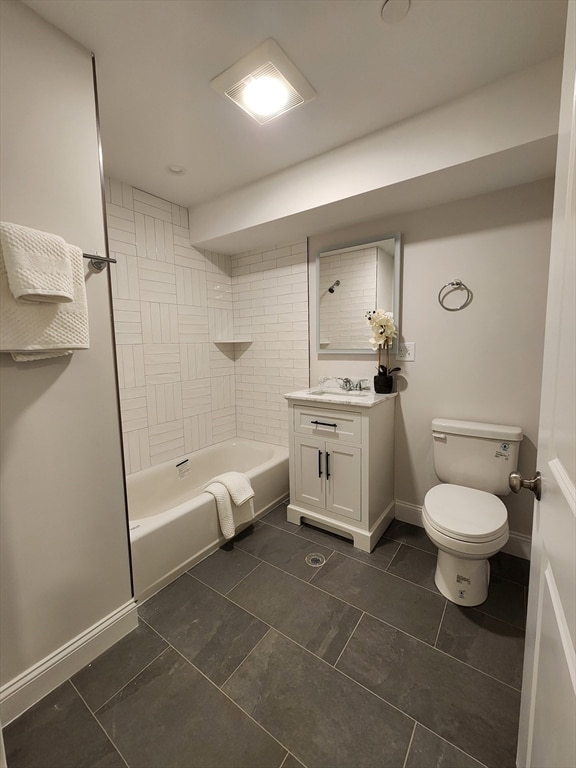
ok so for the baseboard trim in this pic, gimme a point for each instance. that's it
(408, 513)
(518, 544)
(29, 687)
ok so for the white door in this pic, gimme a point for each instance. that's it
(548, 713)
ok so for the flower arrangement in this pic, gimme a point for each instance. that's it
(383, 331)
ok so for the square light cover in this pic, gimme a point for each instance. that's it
(265, 83)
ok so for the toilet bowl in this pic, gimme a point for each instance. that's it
(468, 526)
(463, 516)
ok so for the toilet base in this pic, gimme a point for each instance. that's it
(462, 581)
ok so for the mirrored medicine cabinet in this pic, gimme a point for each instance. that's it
(352, 279)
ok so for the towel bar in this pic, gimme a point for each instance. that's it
(98, 262)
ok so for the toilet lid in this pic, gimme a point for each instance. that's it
(465, 513)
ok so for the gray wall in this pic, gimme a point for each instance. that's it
(64, 556)
(483, 363)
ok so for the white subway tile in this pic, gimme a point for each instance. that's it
(223, 424)
(131, 328)
(156, 277)
(132, 393)
(127, 196)
(138, 362)
(159, 240)
(195, 361)
(198, 431)
(152, 200)
(152, 211)
(164, 403)
(188, 257)
(150, 235)
(121, 213)
(160, 295)
(118, 236)
(126, 315)
(182, 236)
(168, 243)
(140, 232)
(174, 297)
(128, 338)
(196, 397)
(116, 246)
(144, 445)
(151, 405)
(115, 222)
(115, 192)
(222, 392)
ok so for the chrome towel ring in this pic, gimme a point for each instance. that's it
(446, 290)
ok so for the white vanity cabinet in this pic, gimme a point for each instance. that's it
(341, 464)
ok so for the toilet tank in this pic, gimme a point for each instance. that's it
(475, 454)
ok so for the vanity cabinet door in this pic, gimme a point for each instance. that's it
(344, 480)
(309, 471)
(328, 475)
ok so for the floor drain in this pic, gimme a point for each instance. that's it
(315, 560)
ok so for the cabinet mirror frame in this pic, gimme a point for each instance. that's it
(326, 345)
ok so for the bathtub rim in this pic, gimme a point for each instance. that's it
(140, 526)
(158, 558)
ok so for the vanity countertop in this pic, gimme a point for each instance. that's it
(363, 399)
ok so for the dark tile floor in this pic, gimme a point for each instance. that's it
(256, 659)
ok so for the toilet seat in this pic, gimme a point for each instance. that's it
(465, 514)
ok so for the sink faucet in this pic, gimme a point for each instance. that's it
(360, 384)
(347, 384)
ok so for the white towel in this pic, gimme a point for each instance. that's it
(32, 331)
(237, 484)
(37, 265)
(229, 514)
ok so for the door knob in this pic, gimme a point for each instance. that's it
(516, 483)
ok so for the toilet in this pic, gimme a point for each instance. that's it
(463, 516)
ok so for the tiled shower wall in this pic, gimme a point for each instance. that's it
(179, 390)
(270, 292)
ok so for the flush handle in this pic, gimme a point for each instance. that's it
(517, 482)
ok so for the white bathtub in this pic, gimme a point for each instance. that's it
(174, 523)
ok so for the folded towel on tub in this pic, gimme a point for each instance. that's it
(37, 265)
(230, 514)
(238, 485)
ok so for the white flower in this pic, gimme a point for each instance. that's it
(382, 326)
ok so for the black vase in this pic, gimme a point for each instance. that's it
(383, 385)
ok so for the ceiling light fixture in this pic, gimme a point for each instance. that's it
(265, 83)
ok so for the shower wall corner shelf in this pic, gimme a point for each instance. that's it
(232, 341)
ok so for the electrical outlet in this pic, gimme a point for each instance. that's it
(406, 351)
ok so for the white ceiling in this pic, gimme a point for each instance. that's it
(155, 60)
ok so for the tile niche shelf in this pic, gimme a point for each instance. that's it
(233, 348)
